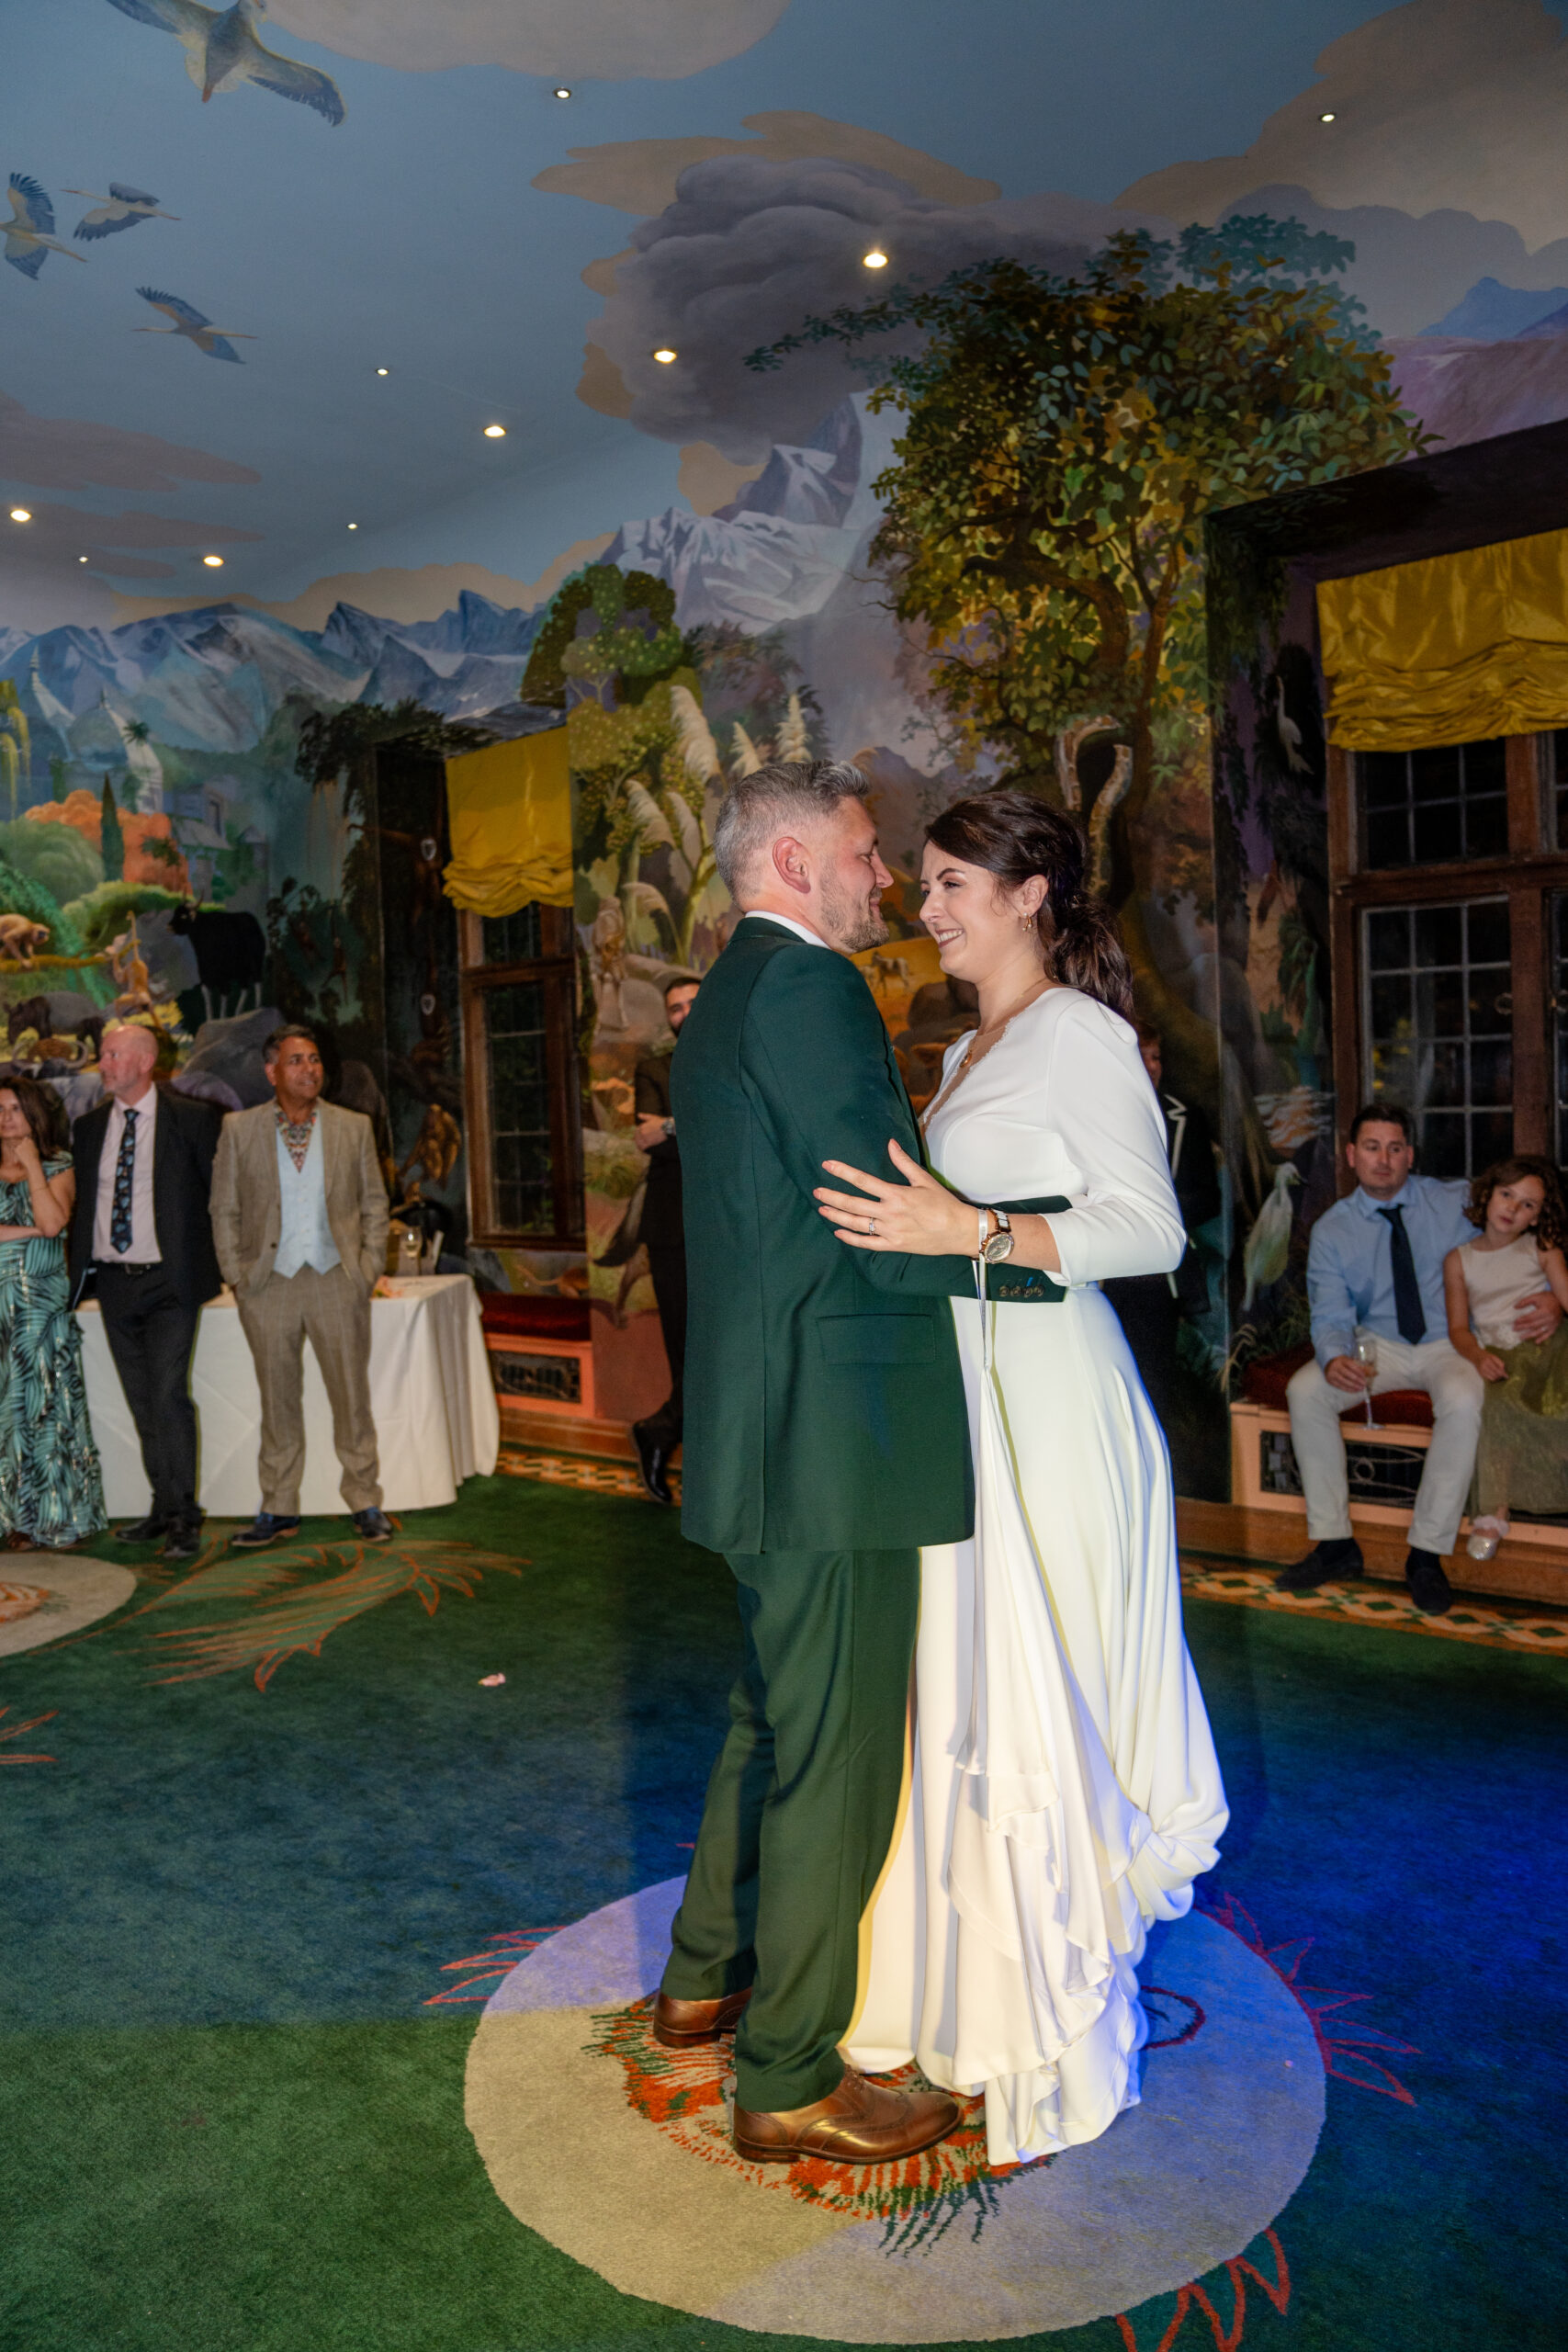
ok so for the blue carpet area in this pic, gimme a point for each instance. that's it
(230, 2106)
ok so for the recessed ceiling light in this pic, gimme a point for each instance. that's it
(214, 562)
(81, 559)
(353, 527)
(495, 432)
(1325, 118)
(383, 371)
(21, 513)
(875, 259)
(665, 355)
(561, 90)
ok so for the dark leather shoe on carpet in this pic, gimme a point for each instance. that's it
(1324, 1563)
(183, 1541)
(1429, 1587)
(653, 1459)
(860, 2123)
(373, 1527)
(265, 1528)
(682, 2025)
(143, 1530)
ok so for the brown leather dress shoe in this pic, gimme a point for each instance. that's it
(860, 2123)
(682, 2025)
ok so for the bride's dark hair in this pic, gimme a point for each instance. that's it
(1013, 836)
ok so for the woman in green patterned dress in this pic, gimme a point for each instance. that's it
(51, 1486)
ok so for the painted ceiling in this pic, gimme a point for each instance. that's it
(223, 224)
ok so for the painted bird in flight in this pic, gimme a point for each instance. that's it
(29, 233)
(222, 51)
(122, 209)
(213, 341)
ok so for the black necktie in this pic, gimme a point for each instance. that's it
(1407, 1311)
(124, 1187)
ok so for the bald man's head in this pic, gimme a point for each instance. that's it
(127, 1059)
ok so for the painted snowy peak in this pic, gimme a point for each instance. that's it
(777, 553)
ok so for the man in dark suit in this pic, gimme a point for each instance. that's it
(141, 1230)
(1151, 1305)
(664, 1237)
(827, 1439)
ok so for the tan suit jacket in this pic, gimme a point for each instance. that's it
(247, 1205)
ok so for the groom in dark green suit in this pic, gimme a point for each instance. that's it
(826, 1441)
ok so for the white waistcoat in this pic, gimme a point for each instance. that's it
(305, 1237)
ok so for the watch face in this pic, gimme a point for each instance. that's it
(999, 1247)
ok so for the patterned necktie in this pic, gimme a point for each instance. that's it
(124, 1182)
(1407, 1308)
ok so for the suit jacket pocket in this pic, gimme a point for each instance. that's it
(877, 1338)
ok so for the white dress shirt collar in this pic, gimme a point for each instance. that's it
(788, 923)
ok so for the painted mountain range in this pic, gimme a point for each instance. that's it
(211, 679)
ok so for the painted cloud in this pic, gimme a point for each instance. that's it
(59, 534)
(68, 453)
(607, 40)
(1456, 103)
(747, 249)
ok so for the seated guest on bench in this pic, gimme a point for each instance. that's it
(1516, 1258)
(1375, 1266)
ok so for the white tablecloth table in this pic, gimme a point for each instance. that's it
(436, 1419)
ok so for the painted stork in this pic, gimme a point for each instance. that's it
(122, 209)
(29, 232)
(222, 51)
(213, 341)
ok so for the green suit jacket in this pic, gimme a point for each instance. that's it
(824, 1404)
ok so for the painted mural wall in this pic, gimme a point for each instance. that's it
(208, 390)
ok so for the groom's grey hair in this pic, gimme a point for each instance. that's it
(781, 794)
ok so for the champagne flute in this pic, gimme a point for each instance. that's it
(1367, 1357)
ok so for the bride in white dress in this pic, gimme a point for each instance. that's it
(1063, 1792)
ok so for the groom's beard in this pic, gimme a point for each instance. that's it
(851, 922)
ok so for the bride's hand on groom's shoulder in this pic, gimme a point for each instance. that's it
(918, 1218)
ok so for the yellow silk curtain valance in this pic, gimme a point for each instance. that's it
(1449, 650)
(511, 812)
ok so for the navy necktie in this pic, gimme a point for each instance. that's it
(124, 1185)
(1407, 1309)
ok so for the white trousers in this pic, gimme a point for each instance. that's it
(1456, 1389)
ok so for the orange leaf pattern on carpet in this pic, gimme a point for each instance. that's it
(689, 2095)
(15, 1732)
(300, 1621)
(1192, 2298)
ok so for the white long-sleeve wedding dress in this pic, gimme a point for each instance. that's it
(1065, 1791)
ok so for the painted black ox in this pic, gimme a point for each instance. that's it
(230, 955)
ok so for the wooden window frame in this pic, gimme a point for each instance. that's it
(1533, 869)
(555, 972)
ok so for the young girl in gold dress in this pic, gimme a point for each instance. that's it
(1522, 1459)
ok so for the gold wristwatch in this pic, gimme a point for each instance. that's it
(1001, 1242)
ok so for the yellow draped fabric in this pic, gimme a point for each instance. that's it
(511, 813)
(1450, 651)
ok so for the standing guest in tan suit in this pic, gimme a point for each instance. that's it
(299, 1220)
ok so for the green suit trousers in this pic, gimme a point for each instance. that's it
(801, 1809)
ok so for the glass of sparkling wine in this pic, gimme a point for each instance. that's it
(1367, 1357)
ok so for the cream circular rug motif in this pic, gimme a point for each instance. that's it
(44, 1595)
(618, 2153)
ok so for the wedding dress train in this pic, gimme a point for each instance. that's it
(1065, 1791)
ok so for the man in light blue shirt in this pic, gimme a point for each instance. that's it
(1375, 1269)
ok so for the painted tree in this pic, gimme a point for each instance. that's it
(609, 654)
(1063, 439)
(112, 839)
(16, 745)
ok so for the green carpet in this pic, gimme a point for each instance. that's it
(231, 2097)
